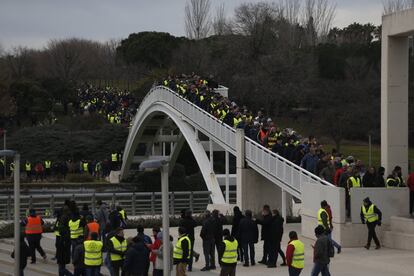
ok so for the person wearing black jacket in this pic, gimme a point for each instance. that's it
(371, 216)
(276, 230)
(228, 261)
(63, 249)
(380, 181)
(135, 258)
(248, 234)
(217, 223)
(237, 216)
(187, 221)
(24, 254)
(207, 235)
(266, 223)
(181, 253)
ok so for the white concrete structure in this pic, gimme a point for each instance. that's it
(396, 28)
(259, 171)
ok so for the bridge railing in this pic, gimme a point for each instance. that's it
(269, 164)
(133, 203)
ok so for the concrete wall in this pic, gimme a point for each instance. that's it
(254, 191)
(391, 202)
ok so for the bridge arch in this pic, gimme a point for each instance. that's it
(187, 131)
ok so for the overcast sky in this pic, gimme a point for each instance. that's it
(33, 23)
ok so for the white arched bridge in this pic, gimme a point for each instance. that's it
(165, 120)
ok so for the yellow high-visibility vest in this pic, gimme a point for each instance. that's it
(114, 157)
(178, 250)
(118, 246)
(230, 252)
(56, 228)
(298, 260)
(369, 214)
(93, 252)
(48, 164)
(122, 213)
(28, 167)
(321, 210)
(75, 230)
(85, 167)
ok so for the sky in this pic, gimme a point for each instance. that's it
(33, 23)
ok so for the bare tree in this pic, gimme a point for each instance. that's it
(197, 18)
(391, 6)
(291, 10)
(20, 62)
(318, 16)
(220, 24)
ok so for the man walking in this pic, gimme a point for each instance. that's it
(295, 255)
(182, 252)
(266, 222)
(325, 219)
(321, 258)
(33, 230)
(371, 216)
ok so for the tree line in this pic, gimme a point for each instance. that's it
(284, 57)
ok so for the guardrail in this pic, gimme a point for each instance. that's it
(272, 166)
(133, 203)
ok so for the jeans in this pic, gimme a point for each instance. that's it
(74, 243)
(63, 271)
(334, 243)
(209, 252)
(93, 271)
(246, 247)
(372, 234)
(34, 244)
(294, 271)
(107, 262)
(320, 268)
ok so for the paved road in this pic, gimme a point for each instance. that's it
(352, 262)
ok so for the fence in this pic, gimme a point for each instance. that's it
(133, 203)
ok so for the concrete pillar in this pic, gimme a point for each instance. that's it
(394, 100)
(240, 164)
(284, 207)
(211, 151)
(227, 177)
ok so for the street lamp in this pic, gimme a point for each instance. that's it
(16, 156)
(163, 166)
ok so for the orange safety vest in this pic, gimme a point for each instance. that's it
(93, 227)
(34, 225)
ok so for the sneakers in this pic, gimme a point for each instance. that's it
(205, 269)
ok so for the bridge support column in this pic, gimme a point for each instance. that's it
(253, 190)
(227, 177)
(284, 208)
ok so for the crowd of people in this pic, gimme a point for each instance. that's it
(118, 106)
(57, 170)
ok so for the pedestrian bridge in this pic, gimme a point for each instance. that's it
(165, 120)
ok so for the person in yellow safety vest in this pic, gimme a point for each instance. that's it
(391, 182)
(76, 228)
(295, 254)
(271, 138)
(354, 181)
(117, 247)
(122, 215)
(371, 216)
(181, 252)
(228, 254)
(85, 167)
(323, 217)
(237, 120)
(28, 169)
(93, 255)
(48, 167)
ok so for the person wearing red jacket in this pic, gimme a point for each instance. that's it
(154, 246)
(295, 255)
(410, 185)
